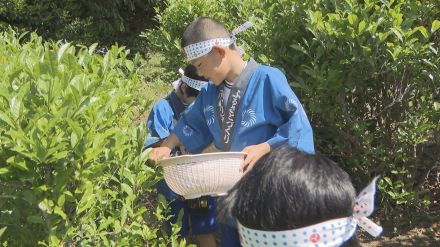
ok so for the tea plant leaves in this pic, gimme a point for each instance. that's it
(71, 151)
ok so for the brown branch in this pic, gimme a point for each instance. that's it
(340, 98)
(399, 94)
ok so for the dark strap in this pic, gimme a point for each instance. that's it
(227, 116)
(176, 105)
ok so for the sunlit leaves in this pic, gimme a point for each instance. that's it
(367, 73)
(70, 154)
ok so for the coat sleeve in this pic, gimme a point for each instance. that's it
(192, 129)
(295, 128)
(159, 123)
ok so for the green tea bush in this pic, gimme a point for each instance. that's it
(366, 71)
(83, 22)
(72, 170)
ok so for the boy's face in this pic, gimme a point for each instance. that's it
(211, 66)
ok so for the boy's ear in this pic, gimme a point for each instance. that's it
(220, 49)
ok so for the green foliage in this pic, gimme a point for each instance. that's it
(85, 22)
(366, 71)
(72, 170)
(178, 14)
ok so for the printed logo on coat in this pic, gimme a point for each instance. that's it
(248, 118)
(187, 131)
(209, 114)
(291, 105)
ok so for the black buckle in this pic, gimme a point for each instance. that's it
(198, 205)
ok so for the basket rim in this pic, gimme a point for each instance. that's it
(169, 161)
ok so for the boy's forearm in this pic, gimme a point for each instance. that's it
(171, 141)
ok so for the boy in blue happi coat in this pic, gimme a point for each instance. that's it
(246, 106)
(165, 113)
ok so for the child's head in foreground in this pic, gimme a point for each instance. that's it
(289, 190)
(209, 47)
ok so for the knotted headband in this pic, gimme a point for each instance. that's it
(329, 233)
(202, 48)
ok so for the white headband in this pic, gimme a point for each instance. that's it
(329, 233)
(196, 84)
(202, 48)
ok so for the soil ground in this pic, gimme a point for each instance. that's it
(426, 236)
(424, 230)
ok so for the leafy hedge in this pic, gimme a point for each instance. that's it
(84, 22)
(72, 170)
(366, 71)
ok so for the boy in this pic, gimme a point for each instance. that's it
(165, 113)
(246, 107)
(311, 202)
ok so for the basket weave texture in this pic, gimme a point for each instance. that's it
(193, 176)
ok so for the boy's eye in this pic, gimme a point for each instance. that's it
(198, 65)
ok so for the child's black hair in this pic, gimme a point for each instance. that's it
(191, 72)
(288, 189)
(204, 28)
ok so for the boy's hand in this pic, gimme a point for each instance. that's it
(165, 149)
(159, 153)
(254, 153)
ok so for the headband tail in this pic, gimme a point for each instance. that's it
(369, 226)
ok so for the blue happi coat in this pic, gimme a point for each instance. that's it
(160, 121)
(266, 111)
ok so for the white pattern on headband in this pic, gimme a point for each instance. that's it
(196, 50)
(196, 84)
(329, 233)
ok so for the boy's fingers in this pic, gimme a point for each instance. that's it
(247, 162)
(246, 150)
(244, 165)
(250, 159)
(159, 156)
(249, 166)
(153, 155)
